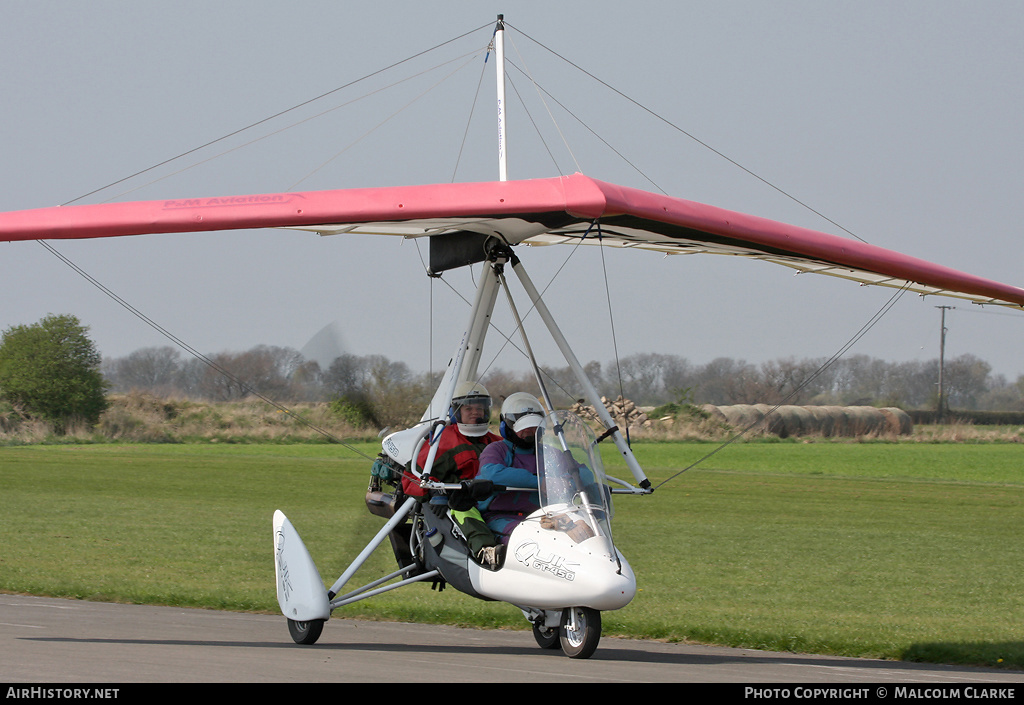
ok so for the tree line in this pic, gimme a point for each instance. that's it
(52, 369)
(649, 379)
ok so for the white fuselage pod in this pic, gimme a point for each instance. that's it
(552, 570)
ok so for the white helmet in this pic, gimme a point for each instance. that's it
(471, 394)
(520, 407)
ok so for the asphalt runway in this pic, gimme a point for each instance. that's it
(44, 640)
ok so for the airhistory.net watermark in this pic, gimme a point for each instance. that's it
(49, 693)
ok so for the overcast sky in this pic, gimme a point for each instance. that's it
(898, 121)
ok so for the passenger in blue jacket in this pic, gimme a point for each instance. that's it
(512, 463)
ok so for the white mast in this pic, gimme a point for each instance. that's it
(499, 58)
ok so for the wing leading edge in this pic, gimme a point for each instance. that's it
(531, 212)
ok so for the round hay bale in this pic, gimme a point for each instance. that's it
(714, 413)
(767, 421)
(803, 421)
(742, 416)
(863, 420)
(840, 421)
(785, 422)
(872, 420)
(827, 421)
(732, 415)
(898, 421)
(823, 421)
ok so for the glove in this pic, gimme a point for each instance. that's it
(469, 493)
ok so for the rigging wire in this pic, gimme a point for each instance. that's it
(532, 308)
(506, 336)
(540, 93)
(431, 276)
(540, 89)
(278, 114)
(192, 351)
(303, 121)
(591, 130)
(811, 377)
(170, 336)
(611, 322)
(533, 122)
(385, 120)
(688, 134)
(472, 109)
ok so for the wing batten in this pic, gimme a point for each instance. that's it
(531, 212)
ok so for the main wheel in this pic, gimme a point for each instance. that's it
(305, 632)
(580, 631)
(547, 637)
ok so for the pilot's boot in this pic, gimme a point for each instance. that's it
(489, 556)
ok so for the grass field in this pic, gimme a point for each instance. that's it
(893, 550)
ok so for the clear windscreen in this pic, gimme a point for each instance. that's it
(573, 491)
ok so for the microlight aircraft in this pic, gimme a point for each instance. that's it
(561, 568)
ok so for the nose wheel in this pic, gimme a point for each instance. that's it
(580, 631)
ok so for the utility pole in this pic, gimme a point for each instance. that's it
(942, 360)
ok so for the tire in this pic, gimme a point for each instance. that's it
(580, 642)
(305, 633)
(547, 637)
